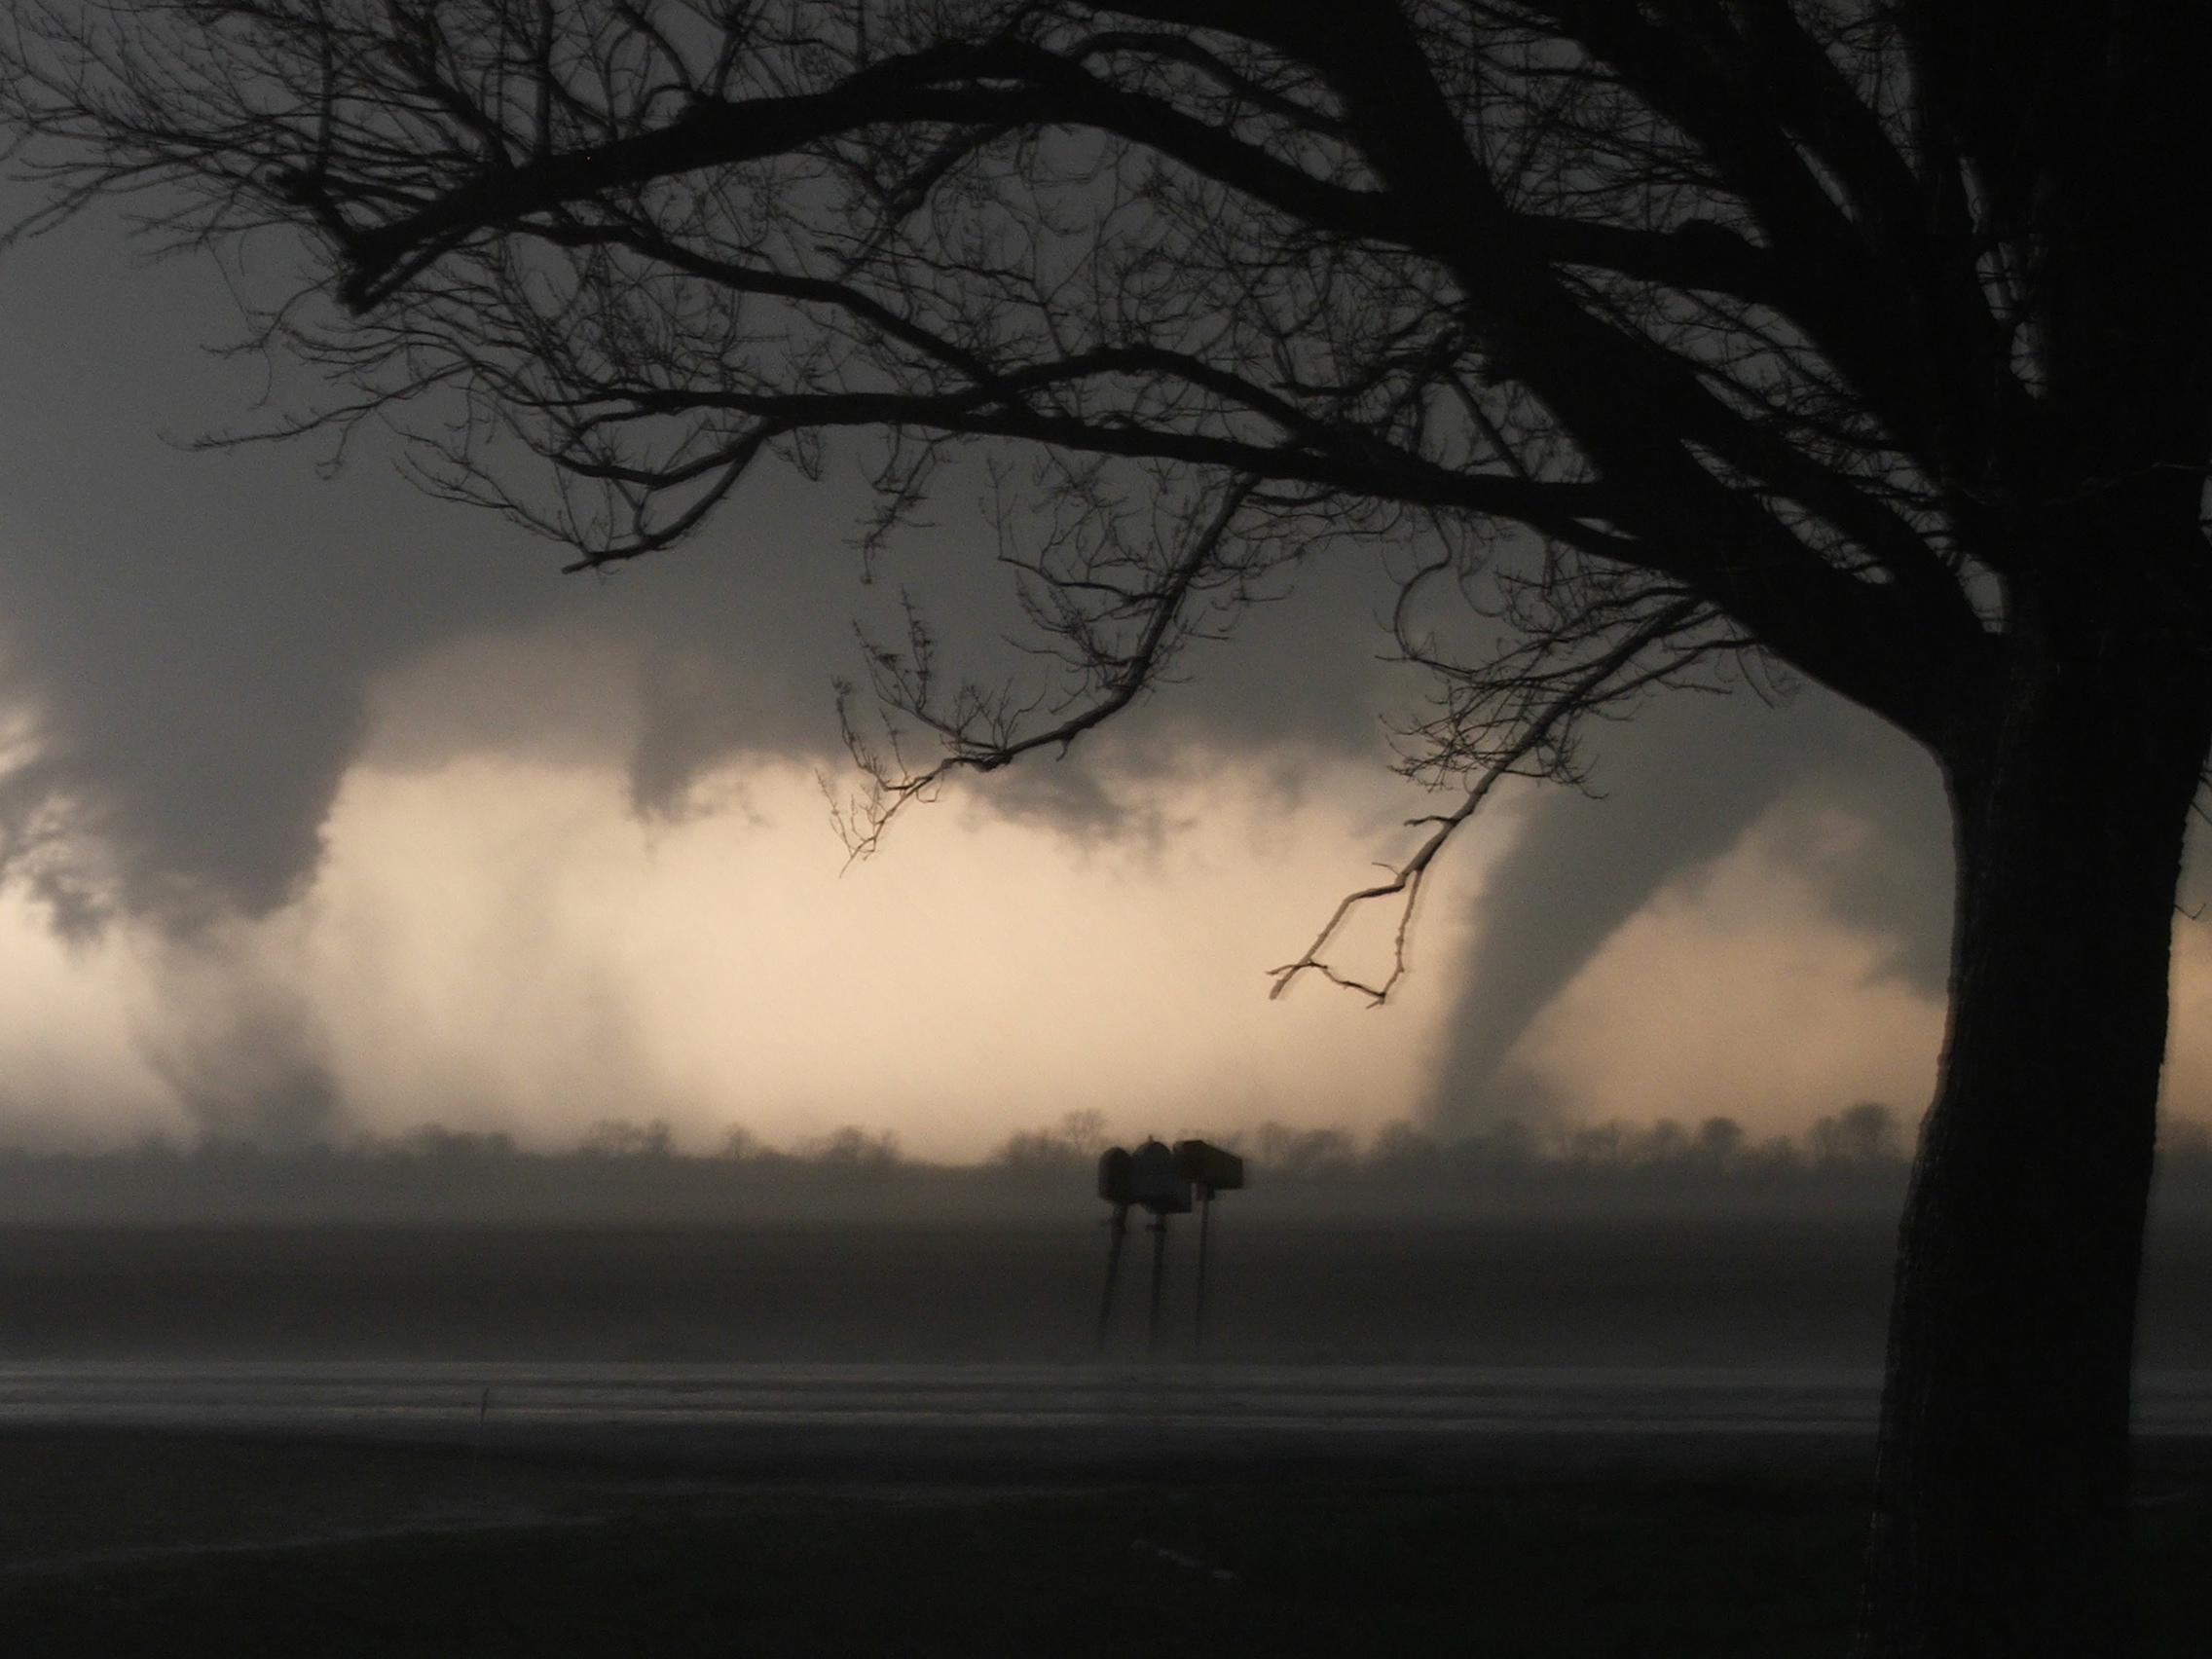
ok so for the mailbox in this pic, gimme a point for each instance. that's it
(1162, 1178)
(1114, 1177)
(1157, 1180)
(1208, 1167)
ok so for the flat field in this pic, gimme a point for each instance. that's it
(1723, 1292)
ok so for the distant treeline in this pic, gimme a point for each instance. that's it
(623, 1172)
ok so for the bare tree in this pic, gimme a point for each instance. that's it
(1858, 338)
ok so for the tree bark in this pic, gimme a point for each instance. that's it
(2002, 1477)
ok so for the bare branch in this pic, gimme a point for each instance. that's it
(1605, 681)
(981, 736)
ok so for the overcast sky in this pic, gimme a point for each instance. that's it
(334, 808)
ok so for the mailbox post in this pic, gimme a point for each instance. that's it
(1114, 1188)
(1209, 1170)
(1156, 1182)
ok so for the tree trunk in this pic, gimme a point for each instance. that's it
(2001, 1510)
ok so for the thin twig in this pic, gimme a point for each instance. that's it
(1406, 880)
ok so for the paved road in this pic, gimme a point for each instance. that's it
(958, 1408)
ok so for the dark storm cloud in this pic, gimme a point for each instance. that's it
(190, 644)
(197, 633)
(196, 640)
(190, 633)
(194, 635)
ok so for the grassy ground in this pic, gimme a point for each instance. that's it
(1510, 1563)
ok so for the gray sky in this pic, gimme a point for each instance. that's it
(333, 806)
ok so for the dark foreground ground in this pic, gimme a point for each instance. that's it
(127, 1542)
(152, 1545)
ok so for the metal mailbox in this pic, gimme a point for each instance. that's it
(1114, 1177)
(1208, 1167)
(1157, 1180)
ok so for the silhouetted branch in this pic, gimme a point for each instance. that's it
(983, 734)
(1607, 678)
(657, 242)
